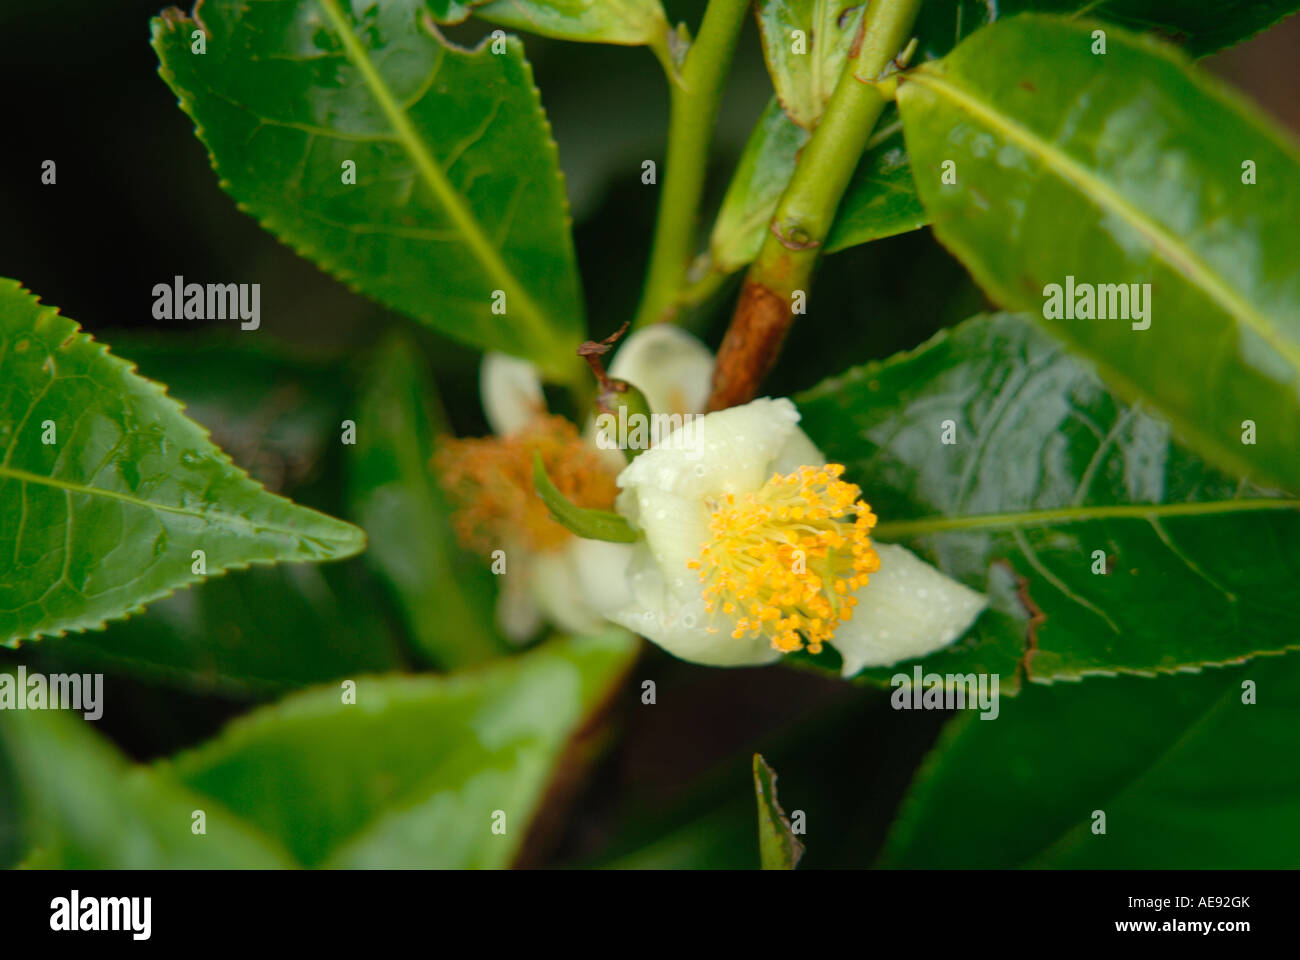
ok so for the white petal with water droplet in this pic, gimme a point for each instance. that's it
(725, 443)
(683, 627)
(906, 609)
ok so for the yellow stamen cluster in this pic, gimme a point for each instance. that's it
(490, 481)
(784, 560)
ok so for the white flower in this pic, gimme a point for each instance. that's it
(669, 366)
(550, 574)
(755, 547)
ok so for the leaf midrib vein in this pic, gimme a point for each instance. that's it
(436, 179)
(213, 517)
(1182, 259)
(1032, 518)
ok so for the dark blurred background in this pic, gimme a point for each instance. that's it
(137, 203)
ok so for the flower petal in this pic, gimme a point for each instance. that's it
(601, 569)
(511, 392)
(560, 591)
(907, 609)
(798, 451)
(730, 451)
(671, 367)
(676, 529)
(517, 613)
(683, 628)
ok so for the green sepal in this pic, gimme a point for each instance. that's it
(585, 523)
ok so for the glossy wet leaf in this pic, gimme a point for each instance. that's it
(1126, 169)
(412, 774)
(880, 201)
(276, 410)
(1049, 478)
(1200, 28)
(778, 847)
(597, 21)
(804, 80)
(107, 515)
(266, 630)
(445, 596)
(1187, 774)
(87, 808)
(457, 216)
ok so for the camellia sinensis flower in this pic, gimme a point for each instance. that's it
(551, 575)
(755, 547)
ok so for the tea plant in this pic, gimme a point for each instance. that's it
(1095, 481)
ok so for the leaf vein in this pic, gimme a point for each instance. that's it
(1174, 253)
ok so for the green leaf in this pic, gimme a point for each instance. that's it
(582, 521)
(1187, 773)
(445, 596)
(1047, 468)
(880, 201)
(1200, 28)
(414, 773)
(596, 21)
(108, 516)
(778, 847)
(276, 410)
(1141, 185)
(452, 11)
(268, 629)
(805, 43)
(804, 80)
(765, 168)
(87, 808)
(458, 210)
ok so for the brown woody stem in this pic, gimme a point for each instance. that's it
(806, 210)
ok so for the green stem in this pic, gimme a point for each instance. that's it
(806, 210)
(694, 109)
